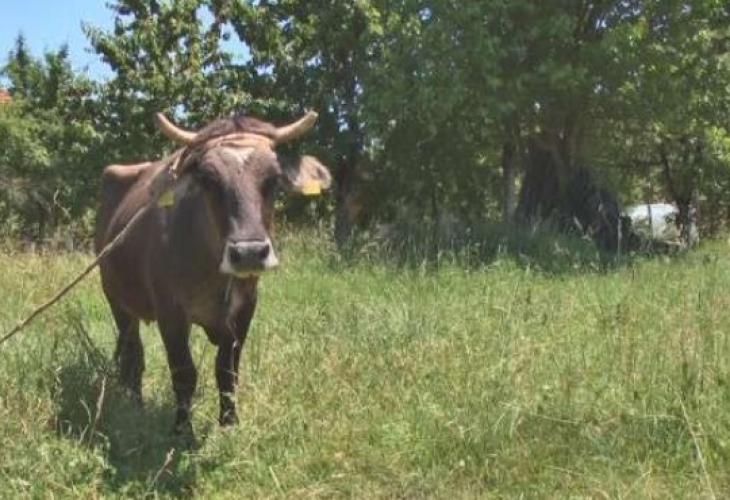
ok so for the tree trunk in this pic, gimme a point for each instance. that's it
(343, 219)
(684, 193)
(688, 217)
(347, 202)
(509, 178)
(41, 221)
(540, 187)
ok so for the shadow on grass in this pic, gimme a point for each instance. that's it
(426, 246)
(142, 453)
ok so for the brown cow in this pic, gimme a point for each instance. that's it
(196, 258)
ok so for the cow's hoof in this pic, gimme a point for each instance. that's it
(183, 424)
(228, 418)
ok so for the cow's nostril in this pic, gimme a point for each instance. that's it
(264, 251)
(235, 254)
(249, 254)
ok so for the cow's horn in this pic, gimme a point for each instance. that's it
(182, 137)
(296, 129)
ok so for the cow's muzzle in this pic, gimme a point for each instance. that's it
(244, 258)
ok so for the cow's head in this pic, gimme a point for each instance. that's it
(231, 171)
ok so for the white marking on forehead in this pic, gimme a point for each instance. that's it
(230, 153)
(242, 154)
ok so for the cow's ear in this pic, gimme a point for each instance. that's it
(308, 176)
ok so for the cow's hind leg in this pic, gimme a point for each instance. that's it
(129, 353)
(175, 331)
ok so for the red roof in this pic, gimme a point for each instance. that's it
(5, 96)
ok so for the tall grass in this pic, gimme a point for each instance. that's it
(364, 377)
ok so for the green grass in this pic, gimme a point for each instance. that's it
(370, 379)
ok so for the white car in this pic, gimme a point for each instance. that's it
(655, 220)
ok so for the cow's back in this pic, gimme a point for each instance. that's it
(120, 196)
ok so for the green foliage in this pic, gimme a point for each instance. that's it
(587, 83)
(434, 143)
(420, 101)
(166, 56)
(426, 245)
(320, 54)
(48, 158)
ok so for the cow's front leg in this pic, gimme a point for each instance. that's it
(230, 344)
(175, 330)
(226, 374)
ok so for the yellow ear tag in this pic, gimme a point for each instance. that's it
(311, 188)
(166, 198)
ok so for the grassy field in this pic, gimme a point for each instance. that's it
(368, 379)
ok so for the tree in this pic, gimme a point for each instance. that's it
(440, 105)
(430, 106)
(319, 54)
(551, 80)
(668, 122)
(166, 56)
(46, 162)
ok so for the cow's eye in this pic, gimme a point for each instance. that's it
(205, 178)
